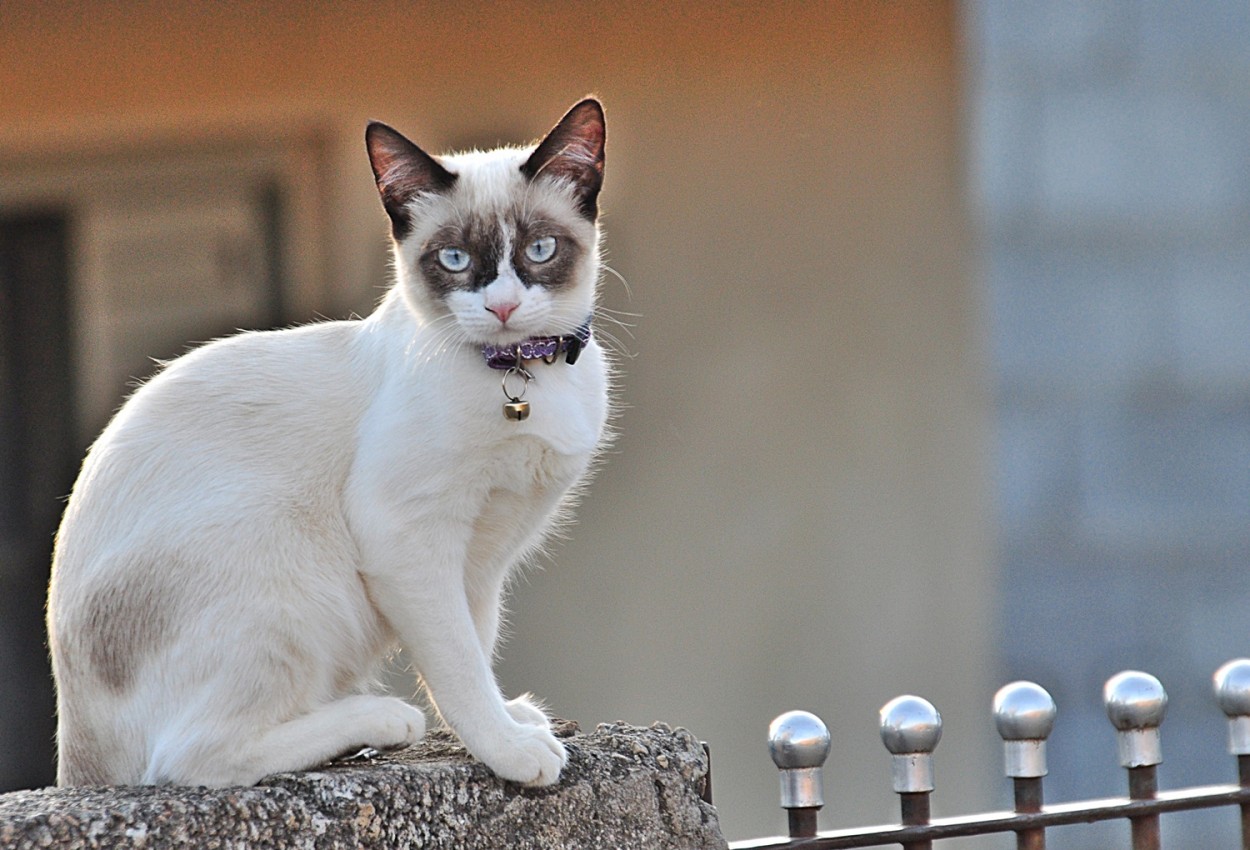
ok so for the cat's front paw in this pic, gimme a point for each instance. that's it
(531, 756)
(527, 712)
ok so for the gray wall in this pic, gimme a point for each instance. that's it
(1111, 171)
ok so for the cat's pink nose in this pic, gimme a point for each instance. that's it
(503, 311)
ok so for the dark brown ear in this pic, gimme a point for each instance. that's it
(402, 171)
(573, 151)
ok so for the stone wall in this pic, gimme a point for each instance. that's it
(624, 787)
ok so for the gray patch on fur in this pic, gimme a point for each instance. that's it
(130, 614)
(81, 761)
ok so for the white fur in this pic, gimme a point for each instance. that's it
(270, 514)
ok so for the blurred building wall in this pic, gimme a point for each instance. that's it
(1112, 174)
(795, 514)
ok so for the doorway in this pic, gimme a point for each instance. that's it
(39, 451)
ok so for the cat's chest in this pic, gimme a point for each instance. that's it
(440, 441)
(525, 466)
(466, 405)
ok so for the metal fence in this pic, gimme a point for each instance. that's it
(1025, 714)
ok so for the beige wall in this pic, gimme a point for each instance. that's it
(795, 513)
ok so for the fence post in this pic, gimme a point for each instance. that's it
(1232, 692)
(1136, 704)
(1025, 715)
(798, 742)
(910, 729)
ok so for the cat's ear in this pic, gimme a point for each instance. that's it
(573, 151)
(403, 171)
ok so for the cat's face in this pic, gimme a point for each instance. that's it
(502, 245)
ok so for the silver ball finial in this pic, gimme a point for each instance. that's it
(1025, 715)
(1232, 687)
(798, 739)
(910, 725)
(910, 729)
(1024, 711)
(1135, 700)
(798, 742)
(1136, 705)
(1232, 692)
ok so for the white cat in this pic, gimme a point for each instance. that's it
(267, 517)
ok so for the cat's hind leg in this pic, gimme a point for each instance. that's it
(221, 755)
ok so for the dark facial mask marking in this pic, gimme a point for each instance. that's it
(485, 243)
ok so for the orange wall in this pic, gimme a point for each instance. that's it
(794, 514)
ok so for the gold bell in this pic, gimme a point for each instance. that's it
(516, 410)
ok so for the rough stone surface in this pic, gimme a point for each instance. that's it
(624, 786)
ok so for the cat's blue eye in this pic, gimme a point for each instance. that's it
(453, 259)
(541, 249)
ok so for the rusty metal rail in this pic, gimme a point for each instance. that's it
(1024, 713)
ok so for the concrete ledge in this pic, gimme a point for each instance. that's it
(624, 786)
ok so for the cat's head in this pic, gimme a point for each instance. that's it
(503, 243)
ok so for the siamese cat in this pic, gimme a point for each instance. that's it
(274, 512)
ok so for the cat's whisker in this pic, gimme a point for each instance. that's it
(618, 344)
(613, 314)
(527, 207)
(444, 337)
(439, 334)
(629, 293)
(616, 317)
(610, 340)
(614, 345)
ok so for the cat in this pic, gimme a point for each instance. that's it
(267, 517)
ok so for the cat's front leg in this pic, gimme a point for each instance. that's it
(485, 604)
(484, 607)
(431, 615)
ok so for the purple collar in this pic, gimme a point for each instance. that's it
(547, 348)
